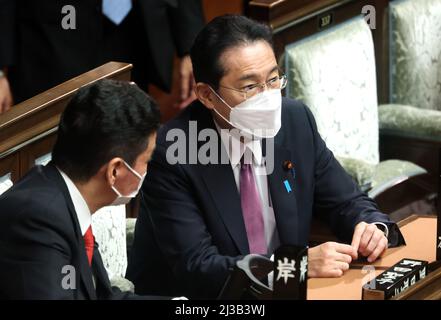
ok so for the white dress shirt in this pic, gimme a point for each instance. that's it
(235, 150)
(81, 208)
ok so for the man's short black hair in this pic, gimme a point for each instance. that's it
(219, 35)
(104, 120)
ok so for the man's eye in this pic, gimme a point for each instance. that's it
(249, 87)
(273, 80)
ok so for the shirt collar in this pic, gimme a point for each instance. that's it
(236, 148)
(81, 208)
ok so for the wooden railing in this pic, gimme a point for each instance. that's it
(28, 130)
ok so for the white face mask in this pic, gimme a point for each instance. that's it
(120, 199)
(259, 116)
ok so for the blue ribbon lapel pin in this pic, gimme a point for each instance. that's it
(287, 186)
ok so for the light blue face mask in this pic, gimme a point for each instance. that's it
(120, 199)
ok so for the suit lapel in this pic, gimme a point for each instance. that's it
(283, 189)
(85, 270)
(221, 185)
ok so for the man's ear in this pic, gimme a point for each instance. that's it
(113, 166)
(205, 95)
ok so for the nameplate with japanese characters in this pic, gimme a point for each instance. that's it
(395, 280)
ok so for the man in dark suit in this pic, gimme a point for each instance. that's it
(47, 250)
(243, 171)
(40, 53)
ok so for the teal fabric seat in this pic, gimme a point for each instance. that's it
(378, 178)
(415, 70)
(409, 121)
(334, 73)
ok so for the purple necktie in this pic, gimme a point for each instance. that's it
(252, 210)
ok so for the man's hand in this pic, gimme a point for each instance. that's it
(5, 95)
(370, 241)
(186, 83)
(330, 259)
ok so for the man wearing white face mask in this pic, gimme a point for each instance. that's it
(278, 173)
(105, 139)
(259, 115)
(121, 199)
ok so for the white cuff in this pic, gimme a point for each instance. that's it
(386, 229)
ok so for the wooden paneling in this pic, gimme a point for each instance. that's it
(281, 13)
(214, 8)
(31, 152)
(28, 130)
(41, 113)
(10, 164)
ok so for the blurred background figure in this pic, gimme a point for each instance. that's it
(39, 52)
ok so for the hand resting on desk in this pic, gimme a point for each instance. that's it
(332, 259)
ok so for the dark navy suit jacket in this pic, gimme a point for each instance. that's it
(190, 229)
(42, 253)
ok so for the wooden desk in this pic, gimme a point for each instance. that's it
(420, 236)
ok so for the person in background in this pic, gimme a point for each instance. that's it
(45, 43)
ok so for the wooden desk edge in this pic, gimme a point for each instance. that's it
(413, 217)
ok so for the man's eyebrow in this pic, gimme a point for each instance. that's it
(252, 76)
(249, 76)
